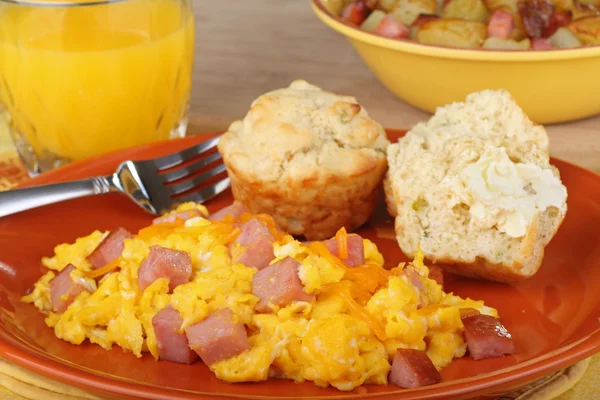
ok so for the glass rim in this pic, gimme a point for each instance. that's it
(60, 3)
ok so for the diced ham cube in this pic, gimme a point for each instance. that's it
(183, 215)
(279, 285)
(486, 337)
(258, 245)
(172, 344)
(355, 13)
(437, 274)
(541, 44)
(501, 24)
(558, 19)
(63, 290)
(412, 368)
(165, 263)
(356, 250)
(110, 248)
(218, 337)
(391, 28)
(236, 210)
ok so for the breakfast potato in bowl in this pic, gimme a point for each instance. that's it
(470, 10)
(386, 5)
(564, 4)
(497, 43)
(593, 3)
(506, 56)
(453, 33)
(564, 38)
(494, 4)
(407, 11)
(581, 10)
(587, 29)
(509, 24)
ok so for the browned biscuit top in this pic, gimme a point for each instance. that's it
(303, 133)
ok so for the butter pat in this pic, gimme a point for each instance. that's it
(510, 195)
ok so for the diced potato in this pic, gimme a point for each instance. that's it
(587, 29)
(387, 5)
(496, 43)
(566, 5)
(513, 5)
(593, 3)
(453, 33)
(372, 21)
(518, 32)
(406, 11)
(584, 10)
(336, 6)
(421, 19)
(471, 10)
(563, 38)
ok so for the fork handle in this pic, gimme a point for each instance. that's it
(17, 200)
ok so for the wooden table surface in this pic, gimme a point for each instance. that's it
(246, 48)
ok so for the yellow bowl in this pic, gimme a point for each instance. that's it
(551, 86)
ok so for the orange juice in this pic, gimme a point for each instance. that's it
(81, 81)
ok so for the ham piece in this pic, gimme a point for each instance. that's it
(217, 337)
(110, 248)
(356, 250)
(501, 24)
(172, 344)
(392, 28)
(355, 13)
(486, 337)
(541, 44)
(412, 368)
(165, 263)
(258, 245)
(279, 285)
(63, 290)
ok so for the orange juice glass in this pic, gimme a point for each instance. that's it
(81, 78)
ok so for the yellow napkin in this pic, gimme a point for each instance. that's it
(19, 384)
(574, 383)
(16, 383)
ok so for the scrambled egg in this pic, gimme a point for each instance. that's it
(347, 336)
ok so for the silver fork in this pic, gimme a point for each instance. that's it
(156, 185)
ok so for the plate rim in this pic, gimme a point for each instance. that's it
(524, 372)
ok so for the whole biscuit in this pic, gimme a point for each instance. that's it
(312, 159)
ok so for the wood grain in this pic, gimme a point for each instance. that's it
(246, 48)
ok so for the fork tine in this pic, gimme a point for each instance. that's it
(203, 195)
(182, 156)
(180, 173)
(195, 181)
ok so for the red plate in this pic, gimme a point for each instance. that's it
(554, 317)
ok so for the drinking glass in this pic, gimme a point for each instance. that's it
(82, 78)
